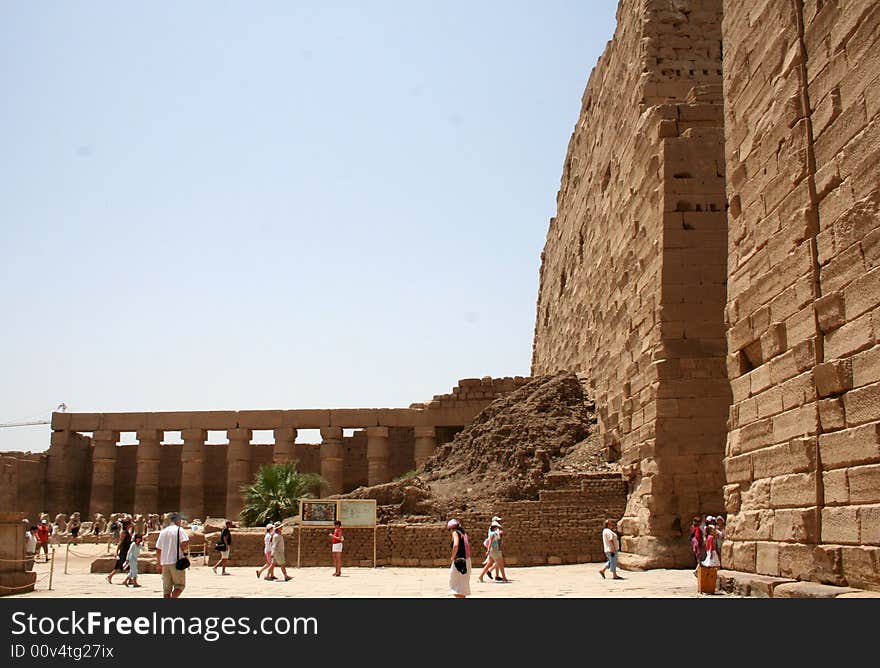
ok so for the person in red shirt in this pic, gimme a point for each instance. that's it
(43, 538)
(336, 546)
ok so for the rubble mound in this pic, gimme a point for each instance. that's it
(501, 456)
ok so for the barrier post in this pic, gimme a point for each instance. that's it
(66, 557)
(52, 568)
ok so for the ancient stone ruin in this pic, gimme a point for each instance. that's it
(712, 271)
(712, 276)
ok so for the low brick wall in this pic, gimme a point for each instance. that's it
(564, 527)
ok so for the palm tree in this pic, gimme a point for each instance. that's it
(275, 493)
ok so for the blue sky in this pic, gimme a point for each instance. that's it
(238, 205)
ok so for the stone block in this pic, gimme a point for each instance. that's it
(850, 447)
(260, 419)
(744, 556)
(831, 311)
(809, 590)
(767, 558)
(831, 415)
(862, 567)
(869, 522)
(864, 484)
(796, 525)
(793, 491)
(124, 421)
(352, 418)
(851, 338)
(862, 405)
(306, 418)
(85, 421)
(396, 417)
(866, 367)
(796, 456)
(212, 420)
(840, 525)
(835, 487)
(833, 377)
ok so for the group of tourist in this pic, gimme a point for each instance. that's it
(460, 568)
(706, 536)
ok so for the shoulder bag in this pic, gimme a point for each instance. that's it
(182, 562)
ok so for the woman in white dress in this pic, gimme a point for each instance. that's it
(460, 568)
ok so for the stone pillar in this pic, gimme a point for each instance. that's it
(238, 469)
(332, 460)
(284, 440)
(103, 472)
(146, 486)
(67, 473)
(14, 579)
(192, 473)
(378, 455)
(425, 444)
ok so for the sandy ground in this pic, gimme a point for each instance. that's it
(574, 581)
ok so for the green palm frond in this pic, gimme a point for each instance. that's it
(275, 493)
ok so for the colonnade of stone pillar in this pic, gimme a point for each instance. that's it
(238, 464)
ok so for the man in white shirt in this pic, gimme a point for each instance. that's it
(170, 546)
(30, 547)
(611, 545)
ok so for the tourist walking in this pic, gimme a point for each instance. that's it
(494, 557)
(132, 558)
(267, 549)
(170, 547)
(224, 548)
(43, 539)
(460, 568)
(611, 546)
(30, 547)
(121, 552)
(336, 547)
(278, 560)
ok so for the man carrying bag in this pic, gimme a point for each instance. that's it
(171, 558)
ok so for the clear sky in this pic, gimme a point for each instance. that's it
(256, 205)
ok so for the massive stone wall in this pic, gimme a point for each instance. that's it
(802, 95)
(632, 285)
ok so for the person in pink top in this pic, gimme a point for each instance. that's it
(336, 547)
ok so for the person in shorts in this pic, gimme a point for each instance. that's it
(336, 547)
(611, 546)
(171, 546)
(225, 539)
(278, 560)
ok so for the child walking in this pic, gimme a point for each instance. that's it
(133, 552)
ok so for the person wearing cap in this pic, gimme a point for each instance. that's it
(494, 559)
(460, 569)
(43, 538)
(267, 549)
(278, 560)
(170, 546)
(611, 545)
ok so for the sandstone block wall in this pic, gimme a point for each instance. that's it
(556, 529)
(803, 162)
(23, 483)
(632, 285)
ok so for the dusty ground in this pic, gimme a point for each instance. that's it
(576, 581)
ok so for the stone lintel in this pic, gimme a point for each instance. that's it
(260, 419)
(351, 418)
(306, 418)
